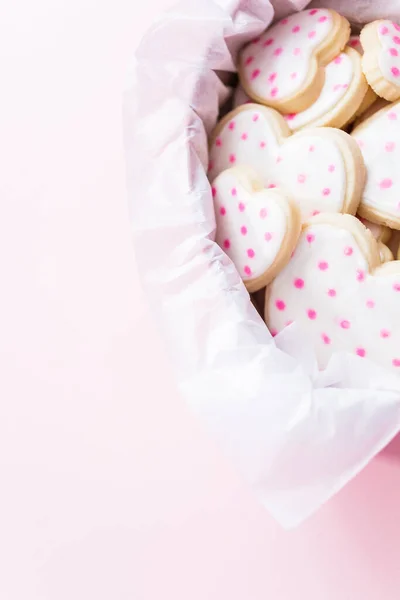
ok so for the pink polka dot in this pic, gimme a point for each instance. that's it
(395, 71)
(249, 60)
(396, 362)
(272, 77)
(344, 324)
(396, 39)
(301, 178)
(271, 185)
(384, 333)
(284, 21)
(315, 213)
(256, 40)
(247, 270)
(310, 237)
(268, 236)
(390, 146)
(278, 51)
(338, 60)
(210, 165)
(311, 148)
(360, 275)
(262, 144)
(227, 244)
(332, 293)
(361, 352)
(296, 51)
(354, 43)
(232, 158)
(299, 283)
(325, 338)
(311, 34)
(268, 42)
(222, 211)
(243, 230)
(322, 19)
(280, 305)
(311, 313)
(293, 75)
(396, 287)
(256, 117)
(232, 125)
(326, 192)
(278, 159)
(296, 29)
(323, 265)
(386, 183)
(214, 192)
(348, 251)
(290, 116)
(384, 30)
(273, 332)
(244, 136)
(274, 92)
(263, 213)
(370, 304)
(392, 116)
(331, 168)
(218, 142)
(241, 206)
(234, 191)
(393, 51)
(251, 253)
(313, 11)
(255, 74)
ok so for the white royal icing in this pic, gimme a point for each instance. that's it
(327, 288)
(389, 55)
(308, 167)
(338, 75)
(276, 64)
(251, 226)
(379, 142)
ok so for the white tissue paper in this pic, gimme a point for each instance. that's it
(296, 434)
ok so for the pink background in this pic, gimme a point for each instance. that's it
(109, 489)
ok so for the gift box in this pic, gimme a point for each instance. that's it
(297, 434)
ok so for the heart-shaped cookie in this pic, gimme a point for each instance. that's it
(379, 140)
(381, 61)
(257, 228)
(335, 288)
(283, 67)
(321, 168)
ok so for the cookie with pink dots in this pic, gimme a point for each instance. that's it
(381, 61)
(370, 97)
(257, 228)
(379, 140)
(283, 67)
(338, 292)
(320, 168)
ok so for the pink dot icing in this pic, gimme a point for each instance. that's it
(323, 265)
(370, 304)
(325, 338)
(313, 11)
(392, 116)
(326, 192)
(218, 142)
(249, 60)
(284, 21)
(395, 71)
(311, 34)
(247, 270)
(231, 125)
(384, 30)
(396, 287)
(232, 158)
(332, 293)
(338, 60)
(272, 77)
(360, 352)
(278, 51)
(268, 42)
(280, 305)
(299, 283)
(222, 210)
(262, 144)
(263, 213)
(301, 178)
(393, 51)
(344, 324)
(296, 29)
(348, 251)
(241, 206)
(268, 236)
(244, 136)
(386, 183)
(296, 51)
(331, 168)
(256, 117)
(322, 19)
(251, 253)
(360, 275)
(384, 333)
(396, 39)
(274, 92)
(243, 230)
(293, 75)
(310, 237)
(214, 192)
(227, 244)
(311, 148)
(396, 362)
(255, 73)
(233, 191)
(311, 313)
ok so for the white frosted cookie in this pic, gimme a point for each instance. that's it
(257, 228)
(371, 110)
(379, 140)
(370, 97)
(320, 168)
(282, 68)
(381, 61)
(340, 294)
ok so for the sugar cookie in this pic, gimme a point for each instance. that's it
(371, 110)
(385, 253)
(340, 294)
(379, 140)
(320, 168)
(370, 97)
(283, 67)
(381, 61)
(380, 232)
(257, 228)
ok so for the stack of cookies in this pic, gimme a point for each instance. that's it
(305, 186)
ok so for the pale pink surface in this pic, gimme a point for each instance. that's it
(109, 489)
